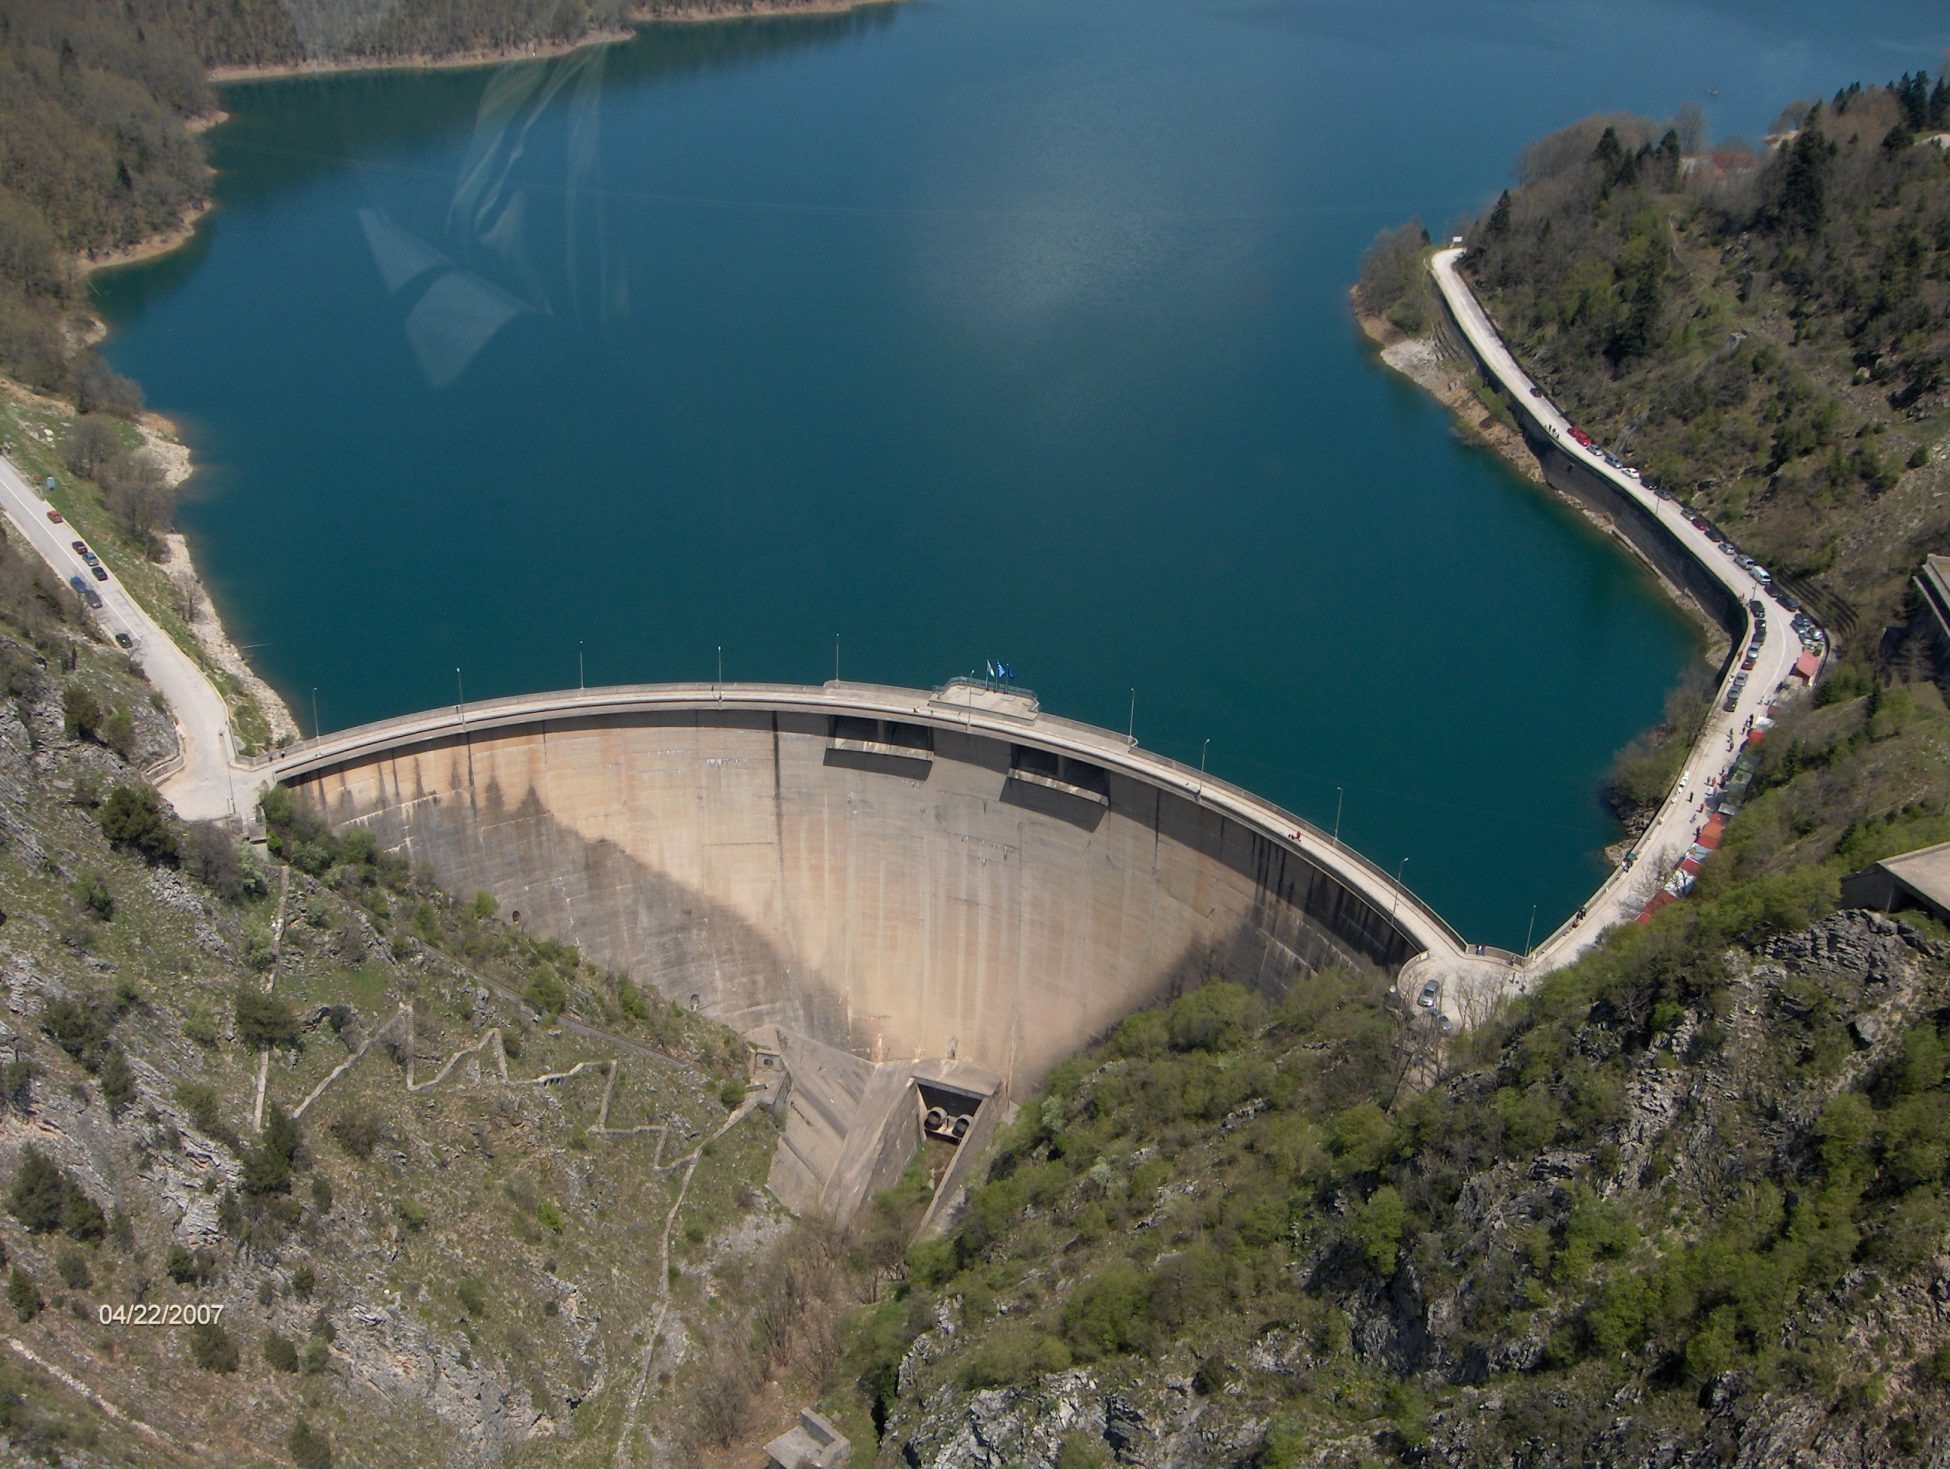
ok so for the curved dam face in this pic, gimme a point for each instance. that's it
(893, 873)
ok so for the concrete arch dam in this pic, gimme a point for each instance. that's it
(891, 872)
(880, 874)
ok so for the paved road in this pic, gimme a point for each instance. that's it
(1666, 840)
(210, 784)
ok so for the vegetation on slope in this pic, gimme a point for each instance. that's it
(1769, 337)
(1690, 1193)
(417, 1261)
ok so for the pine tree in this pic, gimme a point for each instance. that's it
(40, 1189)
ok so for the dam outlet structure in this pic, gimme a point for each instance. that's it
(913, 903)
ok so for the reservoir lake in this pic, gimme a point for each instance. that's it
(947, 331)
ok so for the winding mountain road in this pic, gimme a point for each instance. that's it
(1722, 735)
(209, 783)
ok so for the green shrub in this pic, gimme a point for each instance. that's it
(81, 712)
(1377, 1228)
(266, 1020)
(81, 1027)
(117, 1082)
(357, 1131)
(72, 1266)
(547, 993)
(134, 817)
(1013, 1356)
(1109, 1313)
(472, 1296)
(23, 1295)
(44, 1199)
(280, 1353)
(551, 1216)
(211, 1348)
(309, 1448)
(91, 893)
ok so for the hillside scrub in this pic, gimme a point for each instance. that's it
(455, 1273)
(1690, 1188)
(1765, 334)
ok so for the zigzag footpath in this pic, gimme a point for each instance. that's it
(1721, 737)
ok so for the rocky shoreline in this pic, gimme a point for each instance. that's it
(1449, 379)
(162, 441)
(642, 15)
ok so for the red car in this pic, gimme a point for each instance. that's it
(55, 516)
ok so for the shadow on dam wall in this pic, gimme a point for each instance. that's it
(970, 895)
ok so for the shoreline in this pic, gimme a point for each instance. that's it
(642, 18)
(160, 435)
(87, 262)
(1446, 379)
(1423, 362)
(199, 611)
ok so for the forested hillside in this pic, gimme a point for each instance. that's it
(1767, 335)
(1686, 1202)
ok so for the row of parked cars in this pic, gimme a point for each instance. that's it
(94, 563)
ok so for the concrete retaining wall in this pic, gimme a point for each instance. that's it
(1645, 533)
(897, 907)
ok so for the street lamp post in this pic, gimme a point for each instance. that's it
(1203, 751)
(1337, 815)
(581, 683)
(720, 670)
(460, 696)
(314, 713)
(1394, 899)
(1130, 734)
(1529, 931)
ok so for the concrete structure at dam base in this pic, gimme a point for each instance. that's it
(915, 903)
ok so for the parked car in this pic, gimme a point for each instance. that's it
(1747, 663)
(80, 549)
(93, 597)
(1429, 991)
(101, 571)
(55, 516)
(125, 640)
(78, 584)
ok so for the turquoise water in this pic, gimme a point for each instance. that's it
(953, 330)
